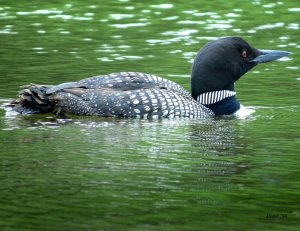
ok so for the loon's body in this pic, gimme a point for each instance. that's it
(125, 94)
(131, 94)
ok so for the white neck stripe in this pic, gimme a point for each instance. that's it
(214, 96)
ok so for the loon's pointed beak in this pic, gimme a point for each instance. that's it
(269, 55)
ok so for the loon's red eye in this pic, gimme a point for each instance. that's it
(244, 54)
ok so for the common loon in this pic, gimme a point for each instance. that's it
(217, 66)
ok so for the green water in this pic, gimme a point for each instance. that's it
(88, 173)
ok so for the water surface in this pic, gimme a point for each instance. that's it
(88, 173)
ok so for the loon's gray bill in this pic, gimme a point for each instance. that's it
(270, 55)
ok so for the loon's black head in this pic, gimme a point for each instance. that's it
(218, 65)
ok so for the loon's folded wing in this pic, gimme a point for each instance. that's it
(123, 81)
(126, 81)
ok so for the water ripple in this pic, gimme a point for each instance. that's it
(181, 32)
(47, 11)
(8, 29)
(191, 22)
(121, 16)
(122, 26)
(293, 26)
(294, 9)
(170, 18)
(269, 26)
(162, 6)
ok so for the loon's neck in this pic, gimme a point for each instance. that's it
(221, 102)
(226, 106)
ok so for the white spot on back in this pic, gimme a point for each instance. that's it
(154, 100)
(135, 101)
(147, 108)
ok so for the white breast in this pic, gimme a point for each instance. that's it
(243, 112)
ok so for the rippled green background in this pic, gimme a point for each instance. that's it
(90, 173)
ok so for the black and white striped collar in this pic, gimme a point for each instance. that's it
(214, 96)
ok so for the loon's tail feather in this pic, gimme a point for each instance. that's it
(33, 99)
